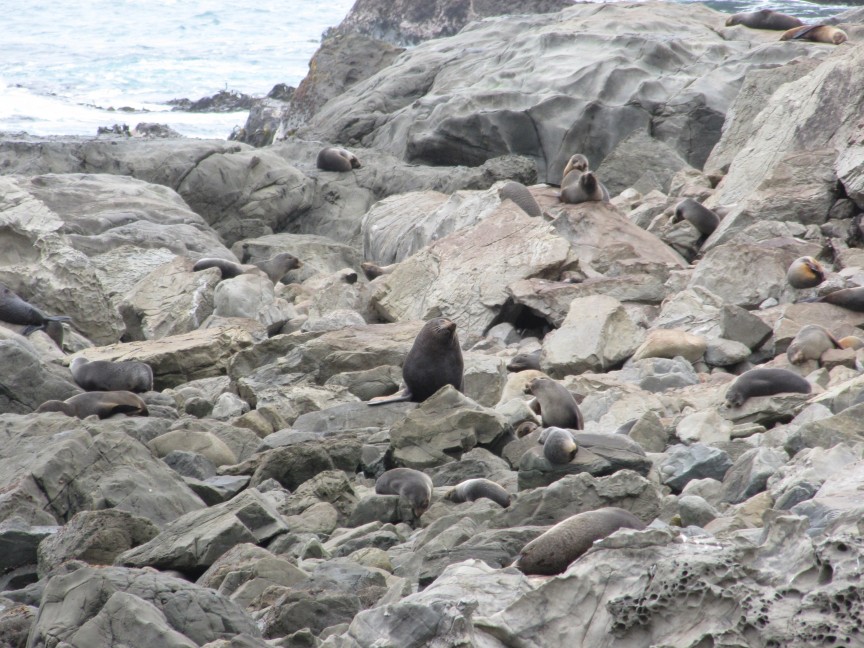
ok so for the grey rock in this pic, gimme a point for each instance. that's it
(30, 379)
(190, 464)
(749, 474)
(650, 433)
(697, 461)
(694, 510)
(841, 428)
(725, 353)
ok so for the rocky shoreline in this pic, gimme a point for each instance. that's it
(243, 511)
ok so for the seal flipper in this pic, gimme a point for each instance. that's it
(32, 328)
(404, 395)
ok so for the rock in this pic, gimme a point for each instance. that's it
(697, 461)
(204, 443)
(596, 335)
(640, 161)
(294, 464)
(441, 279)
(694, 510)
(749, 475)
(29, 380)
(95, 537)
(706, 427)
(725, 353)
(166, 605)
(650, 433)
(660, 374)
(742, 326)
(826, 433)
(669, 343)
(246, 295)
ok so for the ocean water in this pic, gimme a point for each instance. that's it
(67, 68)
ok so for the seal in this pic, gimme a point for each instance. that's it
(805, 272)
(577, 163)
(553, 551)
(558, 407)
(816, 34)
(851, 342)
(101, 403)
(332, 158)
(525, 428)
(559, 446)
(473, 489)
(519, 194)
(764, 382)
(410, 485)
(227, 268)
(104, 375)
(810, 343)
(764, 19)
(373, 270)
(524, 361)
(584, 188)
(699, 216)
(851, 298)
(14, 310)
(517, 384)
(434, 360)
(278, 265)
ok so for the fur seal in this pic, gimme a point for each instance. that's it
(332, 158)
(525, 428)
(434, 360)
(851, 298)
(101, 403)
(473, 489)
(810, 343)
(104, 375)
(553, 551)
(558, 407)
(559, 446)
(584, 188)
(373, 270)
(805, 272)
(524, 361)
(410, 485)
(517, 384)
(578, 163)
(764, 382)
(519, 194)
(816, 34)
(851, 342)
(699, 216)
(227, 268)
(14, 310)
(278, 265)
(764, 19)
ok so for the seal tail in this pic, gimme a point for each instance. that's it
(405, 395)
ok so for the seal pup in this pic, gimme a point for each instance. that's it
(278, 265)
(559, 446)
(851, 298)
(14, 310)
(435, 360)
(101, 403)
(805, 272)
(525, 428)
(577, 163)
(558, 407)
(765, 382)
(553, 551)
(764, 19)
(524, 361)
(699, 216)
(816, 34)
(810, 343)
(410, 485)
(473, 489)
(585, 188)
(519, 194)
(104, 375)
(332, 158)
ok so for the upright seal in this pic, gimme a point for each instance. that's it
(765, 382)
(553, 551)
(558, 407)
(101, 403)
(410, 485)
(585, 188)
(435, 360)
(104, 375)
(332, 158)
(699, 216)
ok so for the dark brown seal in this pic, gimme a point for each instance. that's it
(473, 489)
(559, 446)
(332, 158)
(373, 270)
(14, 310)
(228, 269)
(101, 403)
(810, 343)
(278, 265)
(816, 34)
(699, 216)
(765, 382)
(524, 361)
(558, 407)
(805, 272)
(435, 360)
(851, 298)
(104, 375)
(584, 188)
(519, 194)
(553, 551)
(411, 485)
(764, 19)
